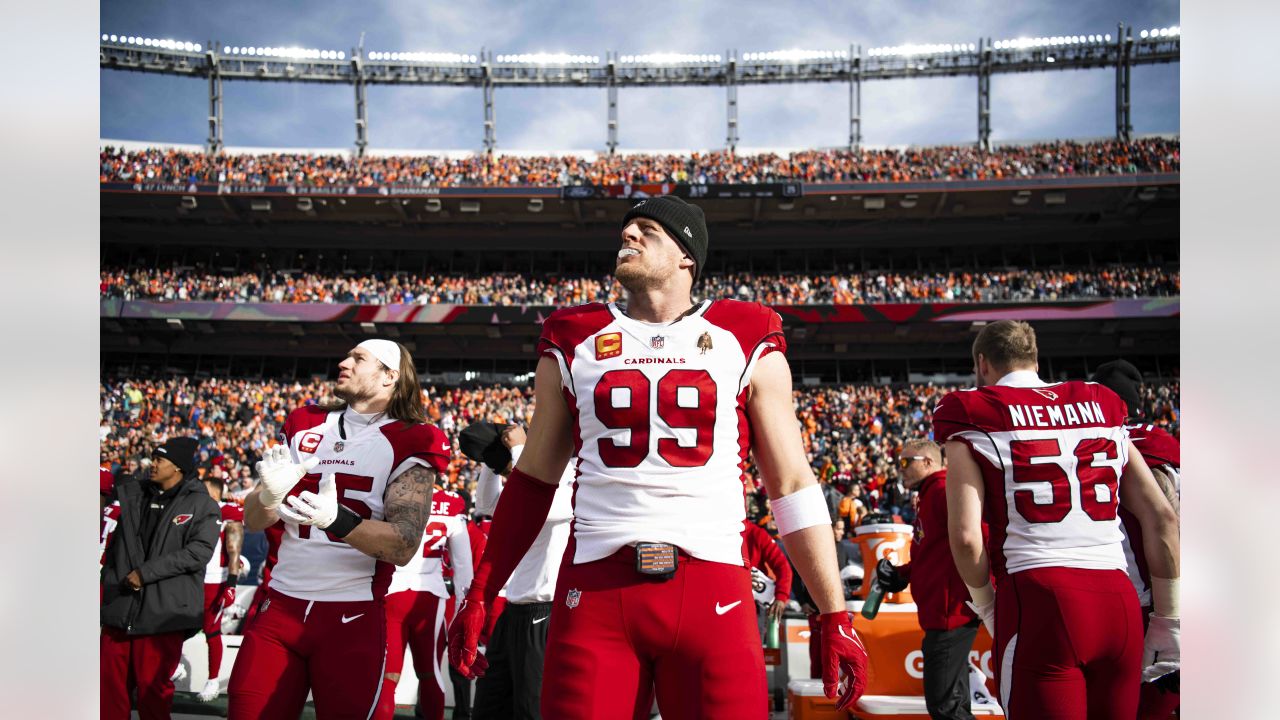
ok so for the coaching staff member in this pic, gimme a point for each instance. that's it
(940, 595)
(153, 581)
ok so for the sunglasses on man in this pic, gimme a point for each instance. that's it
(906, 460)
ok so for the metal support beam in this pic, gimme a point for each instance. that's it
(731, 97)
(1124, 65)
(855, 97)
(213, 145)
(612, 60)
(490, 122)
(362, 117)
(984, 93)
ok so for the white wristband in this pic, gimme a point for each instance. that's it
(1164, 597)
(799, 510)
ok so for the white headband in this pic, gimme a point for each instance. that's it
(387, 352)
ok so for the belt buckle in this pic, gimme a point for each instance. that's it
(656, 560)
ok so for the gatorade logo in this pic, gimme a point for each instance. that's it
(914, 663)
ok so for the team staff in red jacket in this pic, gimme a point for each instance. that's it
(940, 595)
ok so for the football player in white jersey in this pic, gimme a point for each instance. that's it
(352, 486)
(1049, 465)
(661, 401)
(416, 604)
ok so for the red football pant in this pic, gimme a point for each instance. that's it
(418, 619)
(334, 649)
(142, 661)
(1068, 645)
(213, 626)
(693, 637)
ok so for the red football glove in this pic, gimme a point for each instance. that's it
(228, 595)
(464, 637)
(843, 654)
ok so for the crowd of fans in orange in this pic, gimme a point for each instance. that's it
(953, 162)
(841, 288)
(852, 433)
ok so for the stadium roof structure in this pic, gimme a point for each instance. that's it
(488, 70)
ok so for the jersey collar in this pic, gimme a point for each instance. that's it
(1022, 379)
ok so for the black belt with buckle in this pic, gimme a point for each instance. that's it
(657, 560)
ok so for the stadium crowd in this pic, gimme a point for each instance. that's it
(954, 162)
(852, 433)
(841, 288)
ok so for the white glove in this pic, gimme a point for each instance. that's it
(1160, 651)
(308, 508)
(986, 612)
(279, 474)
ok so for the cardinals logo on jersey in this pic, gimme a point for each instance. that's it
(1045, 393)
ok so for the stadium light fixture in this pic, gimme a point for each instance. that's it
(1143, 34)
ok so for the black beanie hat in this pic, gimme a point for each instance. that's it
(181, 451)
(683, 221)
(482, 442)
(1122, 378)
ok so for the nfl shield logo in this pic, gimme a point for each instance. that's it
(657, 341)
(337, 446)
(572, 598)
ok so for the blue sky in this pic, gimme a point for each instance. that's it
(1075, 104)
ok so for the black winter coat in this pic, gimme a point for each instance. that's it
(172, 594)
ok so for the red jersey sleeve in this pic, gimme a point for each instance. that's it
(951, 416)
(303, 418)
(232, 513)
(567, 328)
(420, 440)
(1156, 445)
(751, 323)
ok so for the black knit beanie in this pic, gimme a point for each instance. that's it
(1122, 378)
(683, 221)
(181, 451)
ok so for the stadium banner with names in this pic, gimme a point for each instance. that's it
(1164, 307)
(716, 191)
(636, 191)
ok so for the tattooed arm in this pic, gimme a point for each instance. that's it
(398, 537)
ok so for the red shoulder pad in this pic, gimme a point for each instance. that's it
(1156, 445)
(418, 440)
(751, 323)
(303, 418)
(568, 327)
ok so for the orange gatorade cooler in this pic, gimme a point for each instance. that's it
(805, 701)
(883, 540)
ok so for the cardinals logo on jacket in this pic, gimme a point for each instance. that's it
(182, 519)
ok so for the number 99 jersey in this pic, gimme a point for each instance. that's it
(659, 422)
(1051, 457)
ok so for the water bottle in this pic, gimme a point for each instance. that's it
(871, 607)
(771, 635)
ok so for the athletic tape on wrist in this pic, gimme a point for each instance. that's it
(981, 596)
(1164, 597)
(799, 510)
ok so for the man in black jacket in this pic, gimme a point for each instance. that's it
(152, 575)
